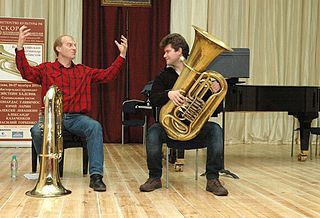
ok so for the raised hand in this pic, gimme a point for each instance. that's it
(122, 46)
(24, 32)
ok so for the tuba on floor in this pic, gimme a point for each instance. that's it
(184, 122)
(49, 184)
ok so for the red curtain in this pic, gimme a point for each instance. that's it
(144, 28)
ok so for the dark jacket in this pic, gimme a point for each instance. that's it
(162, 85)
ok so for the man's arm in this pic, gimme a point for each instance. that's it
(161, 87)
(32, 74)
(24, 32)
(109, 74)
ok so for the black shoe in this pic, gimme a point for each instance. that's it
(150, 185)
(96, 183)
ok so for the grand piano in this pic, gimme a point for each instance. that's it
(301, 102)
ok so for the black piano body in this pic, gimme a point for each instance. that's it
(299, 101)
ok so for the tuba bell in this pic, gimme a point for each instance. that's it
(49, 184)
(185, 122)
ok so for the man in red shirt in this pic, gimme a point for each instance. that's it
(74, 80)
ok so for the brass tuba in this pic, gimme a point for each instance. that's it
(49, 184)
(184, 122)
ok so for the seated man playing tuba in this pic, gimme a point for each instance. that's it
(175, 47)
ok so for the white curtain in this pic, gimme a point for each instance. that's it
(62, 17)
(284, 41)
(185, 13)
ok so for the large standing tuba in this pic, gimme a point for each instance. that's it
(49, 184)
(184, 122)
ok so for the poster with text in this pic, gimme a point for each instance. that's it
(19, 99)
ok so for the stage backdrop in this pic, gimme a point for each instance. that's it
(144, 27)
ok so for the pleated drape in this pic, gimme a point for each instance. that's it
(102, 25)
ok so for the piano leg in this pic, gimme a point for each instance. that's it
(305, 124)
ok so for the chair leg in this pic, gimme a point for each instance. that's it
(122, 128)
(310, 146)
(316, 150)
(197, 152)
(122, 134)
(85, 160)
(167, 167)
(34, 158)
(292, 136)
(145, 129)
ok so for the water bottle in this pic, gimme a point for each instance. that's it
(14, 167)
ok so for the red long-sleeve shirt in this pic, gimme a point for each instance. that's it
(74, 82)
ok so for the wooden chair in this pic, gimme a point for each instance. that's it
(69, 141)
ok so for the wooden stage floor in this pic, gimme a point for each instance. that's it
(271, 184)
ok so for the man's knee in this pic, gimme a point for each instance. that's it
(95, 125)
(93, 128)
(214, 128)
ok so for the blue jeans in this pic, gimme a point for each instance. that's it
(210, 136)
(83, 126)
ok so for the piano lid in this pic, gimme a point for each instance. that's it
(232, 64)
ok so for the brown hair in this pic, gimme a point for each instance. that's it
(177, 41)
